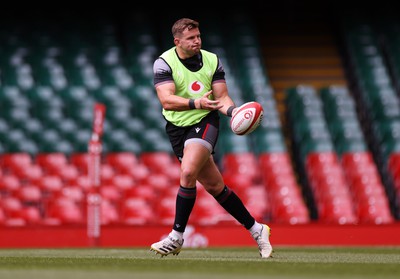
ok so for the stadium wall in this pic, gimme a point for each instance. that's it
(201, 236)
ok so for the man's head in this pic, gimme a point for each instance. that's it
(183, 24)
(186, 37)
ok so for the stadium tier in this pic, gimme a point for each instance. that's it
(325, 152)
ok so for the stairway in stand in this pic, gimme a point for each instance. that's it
(300, 51)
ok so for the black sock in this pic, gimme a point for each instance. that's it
(184, 204)
(233, 204)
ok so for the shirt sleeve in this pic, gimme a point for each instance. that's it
(161, 72)
(219, 75)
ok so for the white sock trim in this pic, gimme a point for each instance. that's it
(255, 228)
(176, 235)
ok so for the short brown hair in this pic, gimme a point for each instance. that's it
(183, 24)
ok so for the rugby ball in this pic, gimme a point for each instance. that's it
(247, 118)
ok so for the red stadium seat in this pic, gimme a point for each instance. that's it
(275, 158)
(165, 210)
(29, 194)
(11, 206)
(143, 191)
(66, 210)
(258, 202)
(81, 161)
(31, 215)
(289, 211)
(135, 211)
(50, 184)
(73, 193)
(9, 183)
(122, 161)
(111, 193)
(159, 182)
(337, 211)
(2, 216)
(317, 159)
(238, 182)
(83, 182)
(107, 173)
(140, 172)
(109, 213)
(330, 188)
(52, 163)
(243, 163)
(68, 173)
(157, 161)
(15, 161)
(207, 211)
(375, 213)
(29, 173)
(352, 159)
(123, 182)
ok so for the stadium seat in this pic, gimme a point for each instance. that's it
(337, 211)
(241, 163)
(81, 161)
(123, 182)
(2, 217)
(73, 193)
(207, 212)
(68, 173)
(135, 211)
(31, 173)
(140, 172)
(284, 195)
(16, 161)
(52, 163)
(143, 191)
(66, 210)
(109, 213)
(367, 189)
(29, 194)
(50, 184)
(122, 160)
(156, 161)
(107, 173)
(289, 211)
(11, 206)
(258, 202)
(31, 215)
(112, 193)
(330, 188)
(82, 181)
(239, 182)
(9, 183)
(159, 182)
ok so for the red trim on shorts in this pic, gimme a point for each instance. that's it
(205, 132)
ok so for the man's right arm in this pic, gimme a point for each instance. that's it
(162, 73)
(165, 87)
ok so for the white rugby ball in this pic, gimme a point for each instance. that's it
(247, 118)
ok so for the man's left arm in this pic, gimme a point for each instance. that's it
(220, 93)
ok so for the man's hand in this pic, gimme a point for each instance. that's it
(205, 103)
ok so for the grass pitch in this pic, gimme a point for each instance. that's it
(232, 263)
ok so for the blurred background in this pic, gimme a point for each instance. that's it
(327, 75)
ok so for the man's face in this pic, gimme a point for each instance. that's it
(190, 42)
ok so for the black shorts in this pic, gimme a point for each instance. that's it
(207, 129)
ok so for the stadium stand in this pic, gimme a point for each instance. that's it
(315, 158)
(375, 94)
